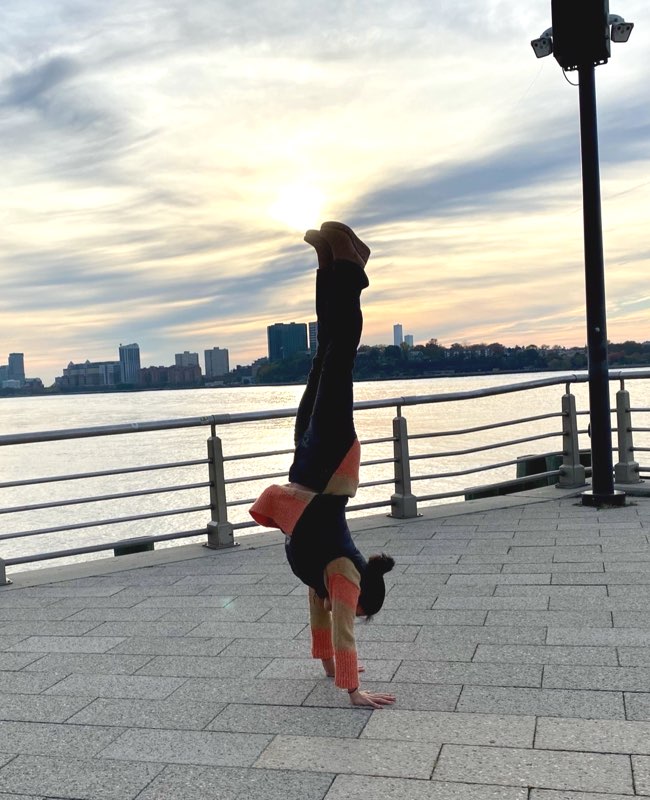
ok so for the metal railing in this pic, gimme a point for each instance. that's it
(402, 503)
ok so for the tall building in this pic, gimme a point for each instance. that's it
(16, 367)
(186, 359)
(286, 340)
(313, 337)
(408, 339)
(129, 363)
(216, 362)
(398, 335)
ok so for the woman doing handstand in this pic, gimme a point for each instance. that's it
(310, 509)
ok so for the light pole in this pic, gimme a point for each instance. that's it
(580, 40)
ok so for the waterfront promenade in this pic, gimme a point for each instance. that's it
(515, 634)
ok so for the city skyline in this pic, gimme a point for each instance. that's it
(166, 159)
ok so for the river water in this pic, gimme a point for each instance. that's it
(27, 414)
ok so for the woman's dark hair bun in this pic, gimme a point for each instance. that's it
(381, 564)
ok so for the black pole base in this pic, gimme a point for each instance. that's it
(591, 498)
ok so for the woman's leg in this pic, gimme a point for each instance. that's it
(324, 279)
(329, 432)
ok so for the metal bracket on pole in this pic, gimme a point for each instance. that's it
(572, 473)
(404, 504)
(627, 469)
(4, 580)
(220, 531)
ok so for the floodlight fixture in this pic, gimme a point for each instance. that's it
(544, 45)
(621, 29)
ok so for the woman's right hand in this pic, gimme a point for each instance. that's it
(373, 699)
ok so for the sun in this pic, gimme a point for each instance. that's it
(298, 206)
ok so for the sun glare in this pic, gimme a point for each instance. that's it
(298, 206)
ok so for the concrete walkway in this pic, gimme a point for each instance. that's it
(516, 635)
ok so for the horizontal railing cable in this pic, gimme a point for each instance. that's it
(100, 498)
(488, 427)
(483, 448)
(489, 486)
(103, 473)
(98, 523)
(470, 471)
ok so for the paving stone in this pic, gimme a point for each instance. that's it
(614, 637)
(77, 779)
(430, 726)
(490, 603)
(20, 613)
(565, 619)
(467, 674)
(357, 787)
(246, 630)
(67, 644)
(599, 736)
(606, 678)
(549, 769)
(172, 646)
(231, 783)
(502, 580)
(324, 754)
(46, 628)
(28, 682)
(121, 614)
(299, 721)
(545, 654)
(432, 617)
(186, 601)
(263, 590)
(204, 666)
(9, 641)
(15, 661)
(67, 741)
(312, 668)
(541, 702)
(575, 593)
(246, 690)
(5, 758)
(637, 705)
(641, 769)
(634, 656)
(90, 663)
(39, 708)
(493, 634)
(549, 794)
(136, 686)
(409, 695)
(188, 747)
(631, 619)
(172, 714)
(158, 628)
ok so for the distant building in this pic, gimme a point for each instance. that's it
(4, 372)
(186, 359)
(171, 376)
(408, 339)
(286, 340)
(129, 363)
(313, 337)
(90, 374)
(216, 362)
(398, 335)
(16, 367)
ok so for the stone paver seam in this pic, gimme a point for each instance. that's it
(534, 745)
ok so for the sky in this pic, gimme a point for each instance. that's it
(162, 160)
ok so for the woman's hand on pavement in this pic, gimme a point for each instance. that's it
(373, 699)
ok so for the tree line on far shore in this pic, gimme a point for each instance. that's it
(381, 362)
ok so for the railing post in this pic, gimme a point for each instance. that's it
(404, 504)
(4, 581)
(572, 473)
(220, 531)
(627, 469)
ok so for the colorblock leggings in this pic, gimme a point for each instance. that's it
(324, 430)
